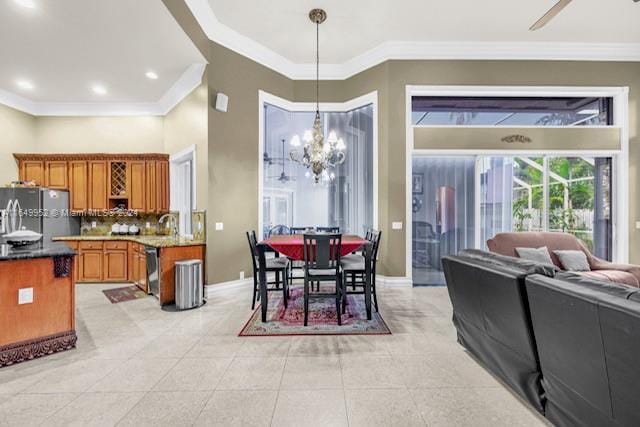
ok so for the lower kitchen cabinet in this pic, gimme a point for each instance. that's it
(115, 265)
(90, 265)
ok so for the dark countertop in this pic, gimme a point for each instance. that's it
(8, 253)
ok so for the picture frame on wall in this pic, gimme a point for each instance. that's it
(417, 183)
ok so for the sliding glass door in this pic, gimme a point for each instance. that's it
(570, 194)
(443, 213)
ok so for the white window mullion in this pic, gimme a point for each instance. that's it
(545, 193)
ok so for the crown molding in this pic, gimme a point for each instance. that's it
(407, 50)
(188, 81)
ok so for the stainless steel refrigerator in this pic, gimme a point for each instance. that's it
(43, 210)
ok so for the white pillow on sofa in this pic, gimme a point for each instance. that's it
(533, 254)
(573, 260)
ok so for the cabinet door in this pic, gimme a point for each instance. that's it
(163, 186)
(76, 264)
(91, 265)
(97, 185)
(142, 271)
(78, 186)
(31, 170)
(136, 171)
(151, 187)
(115, 265)
(56, 175)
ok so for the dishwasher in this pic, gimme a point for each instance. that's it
(153, 270)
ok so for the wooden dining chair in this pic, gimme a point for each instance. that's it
(332, 230)
(353, 266)
(322, 253)
(280, 266)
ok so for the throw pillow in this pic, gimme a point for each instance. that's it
(573, 260)
(533, 254)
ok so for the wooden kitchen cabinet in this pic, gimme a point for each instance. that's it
(162, 176)
(151, 191)
(97, 173)
(136, 182)
(115, 265)
(142, 270)
(78, 186)
(90, 265)
(56, 175)
(76, 265)
(32, 170)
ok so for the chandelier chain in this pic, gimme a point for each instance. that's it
(317, 66)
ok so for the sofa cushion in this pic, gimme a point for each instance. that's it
(506, 243)
(616, 276)
(533, 254)
(573, 260)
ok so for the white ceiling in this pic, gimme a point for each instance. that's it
(65, 46)
(360, 33)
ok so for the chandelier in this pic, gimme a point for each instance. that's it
(317, 155)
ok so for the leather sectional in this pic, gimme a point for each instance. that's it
(569, 345)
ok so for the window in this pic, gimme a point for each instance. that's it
(290, 196)
(511, 111)
(182, 188)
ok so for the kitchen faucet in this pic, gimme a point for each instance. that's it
(174, 220)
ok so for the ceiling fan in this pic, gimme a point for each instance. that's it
(552, 13)
(283, 177)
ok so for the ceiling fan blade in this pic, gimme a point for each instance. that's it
(547, 17)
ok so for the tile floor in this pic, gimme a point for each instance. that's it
(138, 365)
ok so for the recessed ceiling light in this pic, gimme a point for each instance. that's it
(99, 89)
(29, 4)
(25, 84)
(151, 75)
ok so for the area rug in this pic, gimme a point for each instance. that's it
(322, 318)
(127, 293)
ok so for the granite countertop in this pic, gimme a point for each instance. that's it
(154, 241)
(8, 253)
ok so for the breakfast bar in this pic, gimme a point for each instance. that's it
(37, 301)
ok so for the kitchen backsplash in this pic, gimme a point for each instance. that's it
(104, 224)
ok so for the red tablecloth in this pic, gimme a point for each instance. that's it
(293, 246)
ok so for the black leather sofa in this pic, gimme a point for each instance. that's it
(568, 345)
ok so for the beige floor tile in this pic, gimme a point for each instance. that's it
(32, 409)
(477, 407)
(310, 408)
(387, 407)
(76, 376)
(253, 373)
(418, 344)
(314, 346)
(432, 370)
(364, 345)
(194, 375)
(371, 372)
(264, 347)
(180, 408)
(239, 408)
(215, 346)
(135, 375)
(310, 373)
(95, 409)
(167, 347)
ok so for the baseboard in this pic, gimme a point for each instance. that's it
(394, 281)
(227, 286)
(387, 281)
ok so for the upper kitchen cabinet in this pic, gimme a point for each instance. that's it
(32, 170)
(97, 185)
(138, 182)
(56, 174)
(78, 186)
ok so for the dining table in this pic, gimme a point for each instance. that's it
(292, 246)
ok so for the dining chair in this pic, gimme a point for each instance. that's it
(273, 265)
(331, 230)
(279, 230)
(322, 264)
(295, 264)
(301, 230)
(354, 266)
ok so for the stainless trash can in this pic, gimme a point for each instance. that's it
(189, 289)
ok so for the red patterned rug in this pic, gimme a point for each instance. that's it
(322, 318)
(127, 293)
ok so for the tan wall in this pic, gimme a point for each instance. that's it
(16, 134)
(233, 159)
(140, 134)
(186, 125)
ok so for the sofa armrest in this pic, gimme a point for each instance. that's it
(599, 264)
